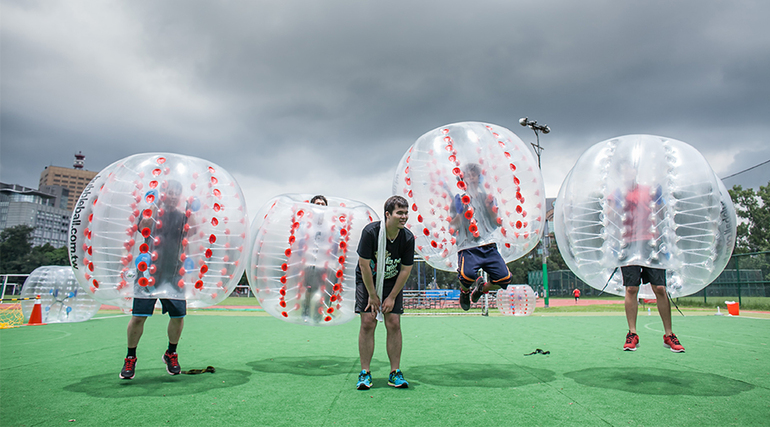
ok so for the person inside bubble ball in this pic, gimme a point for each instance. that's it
(315, 276)
(474, 218)
(167, 225)
(398, 260)
(319, 200)
(640, 207)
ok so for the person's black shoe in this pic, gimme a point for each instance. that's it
(128, 368)
(465, 299)
(172, 364)
(478, 289)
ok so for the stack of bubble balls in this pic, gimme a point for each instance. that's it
(61, 298)
(437, 175)
(516, 300)
(303, 259)
(160, 226)
(644, 200)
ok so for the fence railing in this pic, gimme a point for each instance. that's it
(442, 299)
(746, 275)
(14, 282)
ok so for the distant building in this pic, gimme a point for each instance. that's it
(62, 194)
(37, 209)
(73, 179)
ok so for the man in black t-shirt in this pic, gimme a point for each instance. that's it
(398, 259)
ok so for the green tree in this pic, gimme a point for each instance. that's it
(521, 267)
(15, 247)
(18, 256)
(45, 255)
(754, 209)
(59, 256)
(555, 261)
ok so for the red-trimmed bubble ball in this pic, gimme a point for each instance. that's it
(469, 184)
(152, 223)
(649, 201)
(303, 260)
(516, 300)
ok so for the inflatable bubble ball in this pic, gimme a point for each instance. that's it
(516, 300)
(160, 226)
(649, 201)
(61, 298)
(470, 184)
(303, 258)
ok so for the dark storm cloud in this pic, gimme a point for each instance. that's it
(285, 91)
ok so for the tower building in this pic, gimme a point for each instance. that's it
(73, 179)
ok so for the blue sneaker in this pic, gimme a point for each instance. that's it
(364, 380)
(396, 379)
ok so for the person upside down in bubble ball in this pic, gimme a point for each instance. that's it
(641, 208)
(163, 234)
(474, 218)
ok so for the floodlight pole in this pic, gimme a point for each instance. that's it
(532, 124)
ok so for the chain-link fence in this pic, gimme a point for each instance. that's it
(746, 275)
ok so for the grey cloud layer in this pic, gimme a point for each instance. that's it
(351, 85)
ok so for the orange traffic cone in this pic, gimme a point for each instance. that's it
(36, 318)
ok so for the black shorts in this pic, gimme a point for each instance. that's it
(362, 298)
(635, 275)
(174, 307)
(486, 258)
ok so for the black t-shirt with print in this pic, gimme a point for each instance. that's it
(399, 252)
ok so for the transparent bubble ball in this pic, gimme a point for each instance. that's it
(644, 200)
(160, 225)
(469, 184)
(61, 298)
(302, 261)
(516, 300)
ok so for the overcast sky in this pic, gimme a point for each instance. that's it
(326, 96)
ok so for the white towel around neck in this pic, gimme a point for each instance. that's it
(381, 257)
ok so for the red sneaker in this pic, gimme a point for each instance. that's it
(478, 289)
(129, 365)
(632, 340)
(672, 342)
(172, 363)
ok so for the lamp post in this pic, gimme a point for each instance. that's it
(532, 124)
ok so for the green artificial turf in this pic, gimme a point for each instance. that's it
(463, 370)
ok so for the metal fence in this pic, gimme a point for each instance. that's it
(12, 284)
(437, 299)
(746, 275)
